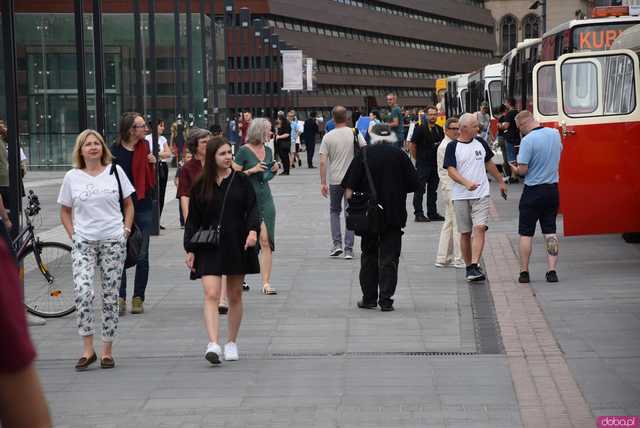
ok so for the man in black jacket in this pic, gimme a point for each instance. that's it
(309, 137)
(393, 177)
(423, 147)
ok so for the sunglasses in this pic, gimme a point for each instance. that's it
(453, 129)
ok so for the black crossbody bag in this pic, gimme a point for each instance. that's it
(364, 214)
(134, 241)
(210, 237)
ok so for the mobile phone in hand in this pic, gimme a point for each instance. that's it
(504, 194)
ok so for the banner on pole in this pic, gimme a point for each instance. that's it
(310, 73)
(292, 70)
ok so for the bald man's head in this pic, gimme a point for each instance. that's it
(468, 126)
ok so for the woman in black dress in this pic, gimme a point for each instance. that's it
(236, 255)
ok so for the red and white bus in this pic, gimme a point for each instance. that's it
(597, 111)
(578, 35)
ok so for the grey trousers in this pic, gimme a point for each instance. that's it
(336, 196)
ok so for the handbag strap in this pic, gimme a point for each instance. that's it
(114, 171)
(356, 143)
(369, 178)
(224, 199)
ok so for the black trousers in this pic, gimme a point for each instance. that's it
(311, 149)
(379, 266)
(429, 181)
(284, 147)
(163, 173)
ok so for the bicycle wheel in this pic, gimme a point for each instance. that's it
(48, 286)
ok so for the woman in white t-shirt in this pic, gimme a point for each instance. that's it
(92, 216)
(164, 154)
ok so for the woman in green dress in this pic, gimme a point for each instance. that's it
(256, 161)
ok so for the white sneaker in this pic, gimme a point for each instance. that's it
(231, 351)
(336, 251)
(460, 265)
(442, 265)
(213, 353)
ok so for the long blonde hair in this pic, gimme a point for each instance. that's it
(76, 157)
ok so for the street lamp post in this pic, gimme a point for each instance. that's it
(245, 19)
(229, 23)
(266, 39)
(275, 41)
(258, 26)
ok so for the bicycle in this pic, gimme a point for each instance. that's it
(45, 269)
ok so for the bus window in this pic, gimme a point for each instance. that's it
(580, 88)
(619, 87)
(495, 96)
(547, 96)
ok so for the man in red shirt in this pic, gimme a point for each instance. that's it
(244, 124)
(22, 403)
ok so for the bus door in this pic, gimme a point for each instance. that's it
(545, 99)
(493, 95)
(599, 120)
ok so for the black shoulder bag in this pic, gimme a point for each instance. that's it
(134, 241)
(210, 237)
(364, 214)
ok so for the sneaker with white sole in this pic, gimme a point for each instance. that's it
(459, 265)
(231, 351)
(214, 353)
(336, 251)
(348, 254)
(442, 265)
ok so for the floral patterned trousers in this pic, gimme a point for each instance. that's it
(108, 256)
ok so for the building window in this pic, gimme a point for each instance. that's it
(508, 29)
(531, 26)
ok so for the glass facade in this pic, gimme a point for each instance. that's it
(48, 85)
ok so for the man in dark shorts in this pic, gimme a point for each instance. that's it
(538, 161)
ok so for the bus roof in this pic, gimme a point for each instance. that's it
(493, 70)
(629, 39)
(594, 21)
(527, 42)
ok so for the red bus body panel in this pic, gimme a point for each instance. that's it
(600, 179)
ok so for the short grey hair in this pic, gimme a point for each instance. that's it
(466, 119)
(196, 134)
(258, 131)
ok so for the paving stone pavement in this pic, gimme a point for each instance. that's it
(310, 358)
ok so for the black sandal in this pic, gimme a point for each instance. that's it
(83, 363)
(107, 363)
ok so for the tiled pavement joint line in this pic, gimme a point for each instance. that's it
(547, 393)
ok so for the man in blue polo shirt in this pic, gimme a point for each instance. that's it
(538, 162)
